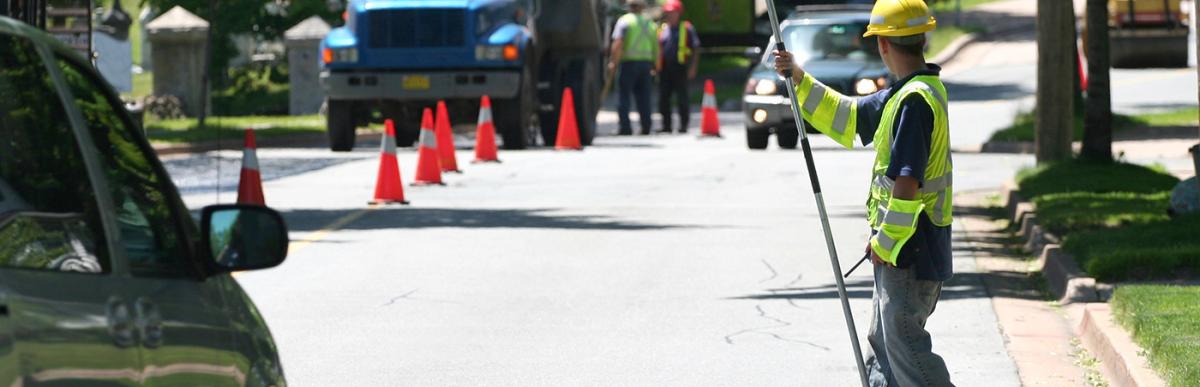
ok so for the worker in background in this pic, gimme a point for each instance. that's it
(634, 50)
(910, 199)
(676, 65)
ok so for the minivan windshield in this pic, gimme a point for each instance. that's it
(837, 41)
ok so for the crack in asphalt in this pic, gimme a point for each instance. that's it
(761, 330)
(772, 269)
(402, 296)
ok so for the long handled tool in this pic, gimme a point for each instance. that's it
(816, 185)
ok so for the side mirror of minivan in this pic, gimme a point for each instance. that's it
(242, 237)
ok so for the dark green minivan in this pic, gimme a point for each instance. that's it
(105, 278)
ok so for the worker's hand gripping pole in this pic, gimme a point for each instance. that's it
(816, 185)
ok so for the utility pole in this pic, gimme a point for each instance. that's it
(1097, 124)
(205, 77)
(1055, 118)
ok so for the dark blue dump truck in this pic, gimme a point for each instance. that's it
(393, 58)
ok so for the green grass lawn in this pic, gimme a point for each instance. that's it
(1061, 213)
(942, 6)
(944, 35)
(143, 85)
(1113, 218)
(1166, 249)
(231, 128)
(1165, 320)
(1022, 127)
(1082, 176)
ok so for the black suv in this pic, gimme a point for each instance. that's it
(828, 42)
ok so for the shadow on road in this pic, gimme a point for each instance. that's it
(969, 92)
(997, 242)
(961, 286)
(418, 218)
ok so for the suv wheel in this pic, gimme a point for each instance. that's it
(787, 137)
(757, 139)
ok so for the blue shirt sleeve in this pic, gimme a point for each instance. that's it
(913, 134)
(870, 110)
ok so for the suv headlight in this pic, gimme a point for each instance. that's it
(865, 86)
(340, 55)
(765, 87)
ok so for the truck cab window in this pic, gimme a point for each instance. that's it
(49, 218)
(151, 236)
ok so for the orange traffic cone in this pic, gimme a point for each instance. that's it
(485, 134)
(429, 170)
(709, 125)
(250, 189)
(388, 188)
(445, 140)
(568, 131)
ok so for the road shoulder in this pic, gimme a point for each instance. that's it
(1037, 333)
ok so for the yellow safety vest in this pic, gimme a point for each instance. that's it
(895, 220)
(684, 51)
(639, 44)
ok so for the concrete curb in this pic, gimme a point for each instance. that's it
(954, 48)
(1121, 362)
(1064, 278)
(1120, 359)
(1021, 147)
(1067, 282)
(296, 141)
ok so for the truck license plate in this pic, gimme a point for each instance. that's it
(415, 82)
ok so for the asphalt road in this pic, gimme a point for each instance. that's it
(663, 260)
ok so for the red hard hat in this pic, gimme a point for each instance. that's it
(673, 5)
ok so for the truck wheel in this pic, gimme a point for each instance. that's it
(516, 117)
(339, 122)
(787, 137)
(407, 120)
(757, 139)
(589, 100)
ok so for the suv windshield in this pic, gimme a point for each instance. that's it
(838, 41)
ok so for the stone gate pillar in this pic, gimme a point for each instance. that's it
(303, 41)
(178, 59)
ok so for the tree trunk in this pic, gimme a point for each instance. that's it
(1196, 30)
(1055, 119)
(1097, 125)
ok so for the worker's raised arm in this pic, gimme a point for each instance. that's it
(828, 111)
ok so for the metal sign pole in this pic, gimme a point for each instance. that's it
(816, 185)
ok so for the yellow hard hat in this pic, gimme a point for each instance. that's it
(900, 18)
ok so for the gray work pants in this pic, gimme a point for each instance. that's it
(901, 352)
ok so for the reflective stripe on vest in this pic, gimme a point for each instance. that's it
(683, 51)
(937, 191)
(639, 43)
(828, 111)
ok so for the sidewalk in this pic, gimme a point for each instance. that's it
(1037, 333)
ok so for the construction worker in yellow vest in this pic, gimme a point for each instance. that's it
(910, 199)
(633, 50)
(676, 65)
